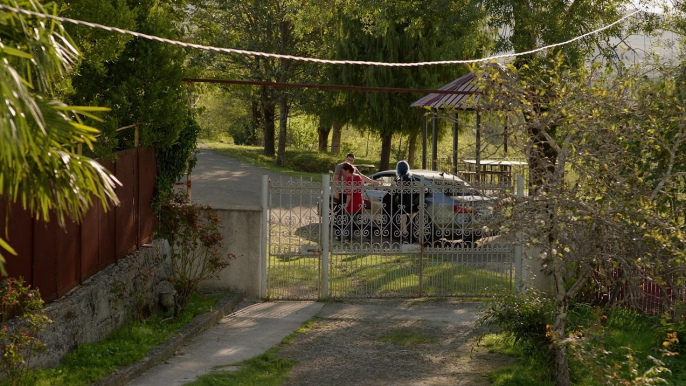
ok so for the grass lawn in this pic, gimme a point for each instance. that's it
(387, 275)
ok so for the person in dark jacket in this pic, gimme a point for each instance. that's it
(407, 199)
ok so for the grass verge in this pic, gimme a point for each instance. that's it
(127, 344)
(263, 370)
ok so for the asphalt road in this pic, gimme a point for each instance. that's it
(226, 183)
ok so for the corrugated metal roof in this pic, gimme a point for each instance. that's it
(465, 83)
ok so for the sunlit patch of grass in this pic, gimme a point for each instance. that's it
(500, 344)
(386, 274)
(263, 370)
(406, 336)
(517, 375)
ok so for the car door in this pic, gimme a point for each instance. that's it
(378, 195)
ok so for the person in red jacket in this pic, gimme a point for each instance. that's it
(353, 189)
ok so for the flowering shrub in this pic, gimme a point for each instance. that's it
(22, 317)
(197, 245)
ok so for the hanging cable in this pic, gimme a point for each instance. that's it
(305, 59)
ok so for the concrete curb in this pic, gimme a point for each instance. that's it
(157, 355)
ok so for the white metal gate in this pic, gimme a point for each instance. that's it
(444, 244)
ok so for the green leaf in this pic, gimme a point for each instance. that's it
(16, 52)
(6, 247)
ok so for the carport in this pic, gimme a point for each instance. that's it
(467, 98)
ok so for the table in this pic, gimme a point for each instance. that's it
(490, 171)
(365, 167)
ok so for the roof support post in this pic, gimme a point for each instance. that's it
(478, 145)
(455, 127)
(505, 134)
(434, 143)
(424, 143)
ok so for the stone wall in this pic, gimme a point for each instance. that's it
(121, 292)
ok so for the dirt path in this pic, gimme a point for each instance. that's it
(345, 345)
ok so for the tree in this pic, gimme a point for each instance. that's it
(39, 163)
(535, 23)
(140, 80)
(281, 27)
(607, 205)
(400, 32)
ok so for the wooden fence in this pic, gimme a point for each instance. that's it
(55, 259)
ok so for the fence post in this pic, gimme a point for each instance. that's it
(263, 242)
(326, 198)
(136, 137)
(421, 233)
(519, 284)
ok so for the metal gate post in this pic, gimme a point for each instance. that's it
(263, 242)
(421, 231)
(326, 188)
(519, 284)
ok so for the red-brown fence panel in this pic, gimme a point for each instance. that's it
(127, 223)
(54, 259)
(45, 257)
(17, 230)
(146, 177)
(107, 229)
(68, 257)
(90, 243)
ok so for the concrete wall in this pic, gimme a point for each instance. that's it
(122, 291)
(242, 233)
(531, 271)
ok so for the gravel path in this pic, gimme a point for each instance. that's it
(345, 346)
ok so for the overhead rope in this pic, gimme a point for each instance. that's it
(305, 59)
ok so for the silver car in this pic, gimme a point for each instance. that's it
(453, 210)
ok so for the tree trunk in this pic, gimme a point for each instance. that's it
(542, 158)
(283, 126)
(336, 137)
(255, 122)
(558, 334)
(386, 142)
(411, 149)
(268, 111)
(323, 133)
(561, 358)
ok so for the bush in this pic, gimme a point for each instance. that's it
(197, 245)
(22, 316)
(525, 317)
(316, 162)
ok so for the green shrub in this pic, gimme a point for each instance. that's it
(197, 245)
(316, 162)
(525, 317)
(22, 317)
